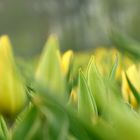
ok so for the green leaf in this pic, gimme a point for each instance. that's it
(77, 127)
(27, 126)
(80, 130)
(57, 122)
(86, 104)
(114, 69)
(96, 85)
(125, 43)
(3, 128)
(133, 89)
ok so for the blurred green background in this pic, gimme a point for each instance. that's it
(79, 24)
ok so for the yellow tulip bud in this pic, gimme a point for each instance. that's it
(134, 77)
(66, 60)
(12, 91)
(49, 71)
(52, 68)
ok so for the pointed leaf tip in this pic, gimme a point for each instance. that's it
(86, 105)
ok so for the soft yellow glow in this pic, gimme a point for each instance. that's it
(66, 60)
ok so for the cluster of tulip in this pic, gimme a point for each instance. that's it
(64, 104)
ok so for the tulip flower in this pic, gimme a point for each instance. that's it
(66, 60)
(12, 90)
(53, 68)
(134, 77)
(105, 59)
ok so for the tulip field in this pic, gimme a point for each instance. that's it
(71, 95)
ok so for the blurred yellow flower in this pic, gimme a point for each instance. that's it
(51, 48)
(105, 58)
(66, 61)
(12, 91)
(134, 77)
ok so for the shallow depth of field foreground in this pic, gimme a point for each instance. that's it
(70, 96)
(69, 70)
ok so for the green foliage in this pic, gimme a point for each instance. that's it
(86, 104)
(3, 129)
(133, 89)
(114, 69)
(101, 113)
(96, 85)
(126, 44)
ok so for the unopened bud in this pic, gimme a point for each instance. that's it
(12, 91)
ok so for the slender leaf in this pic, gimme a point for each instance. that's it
(97, 86)
(27, 125)
(133, 89)
(3, 129)
(86, 104)
(114, 69)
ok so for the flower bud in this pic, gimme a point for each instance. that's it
(66, 61)
(49, 71)
(12, 91)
